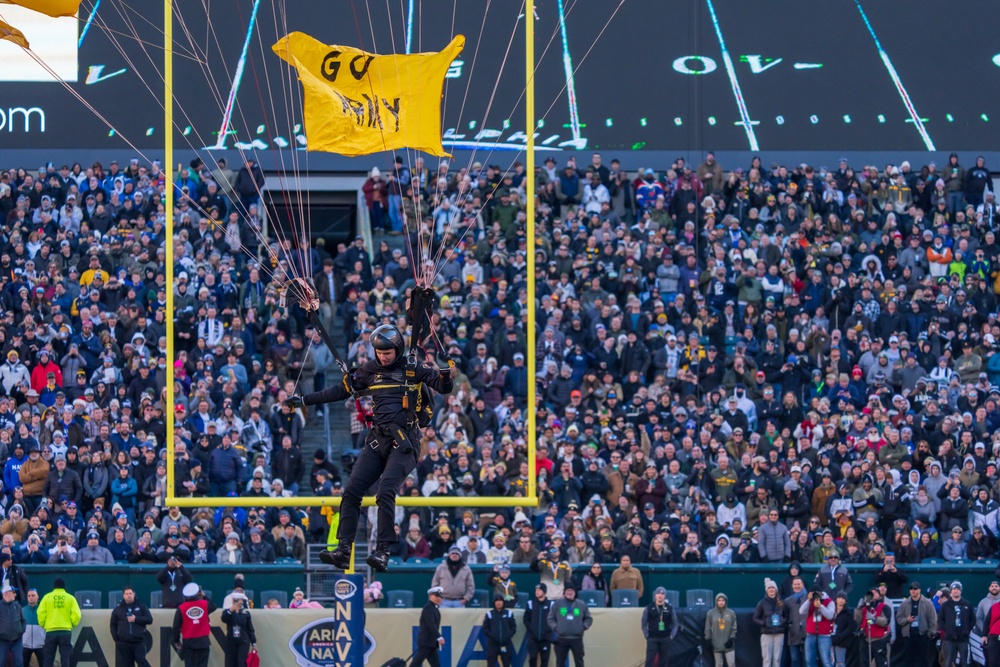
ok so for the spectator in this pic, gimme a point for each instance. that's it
(659, 626)
(499, 628)
(796, 622)
(833, 577)
(173, 578)
(290, 544)
(845, 629)
(128, 629)
(569, 619)
(231, 552)
(954, 549)
(257, 551)
(773, 541)
(94, 553)
(58, 614)
(720, 631)
(34, 635)
(454, 577)
(536, 625)
(918, 625)
(11, 574)
(626, 577)
(555, 572)
(956, 619)
(239, 631)
(771, 616)
(12, 627)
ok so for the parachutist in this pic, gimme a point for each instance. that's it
(397, 386)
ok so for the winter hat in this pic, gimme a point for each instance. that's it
(769, 583)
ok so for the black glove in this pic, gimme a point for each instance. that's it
(294, 402)
(729, 645)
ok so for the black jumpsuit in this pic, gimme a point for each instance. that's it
(391, 448)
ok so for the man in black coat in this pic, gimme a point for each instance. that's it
(12, 626)
(429, 639)
(14, 576)
(536, 622)
(659, 625)
(173, 578)
(128, 629)
(499, 627)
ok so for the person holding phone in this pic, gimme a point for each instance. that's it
(239, 631)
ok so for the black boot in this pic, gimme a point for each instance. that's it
(340, 558)
(378, 560)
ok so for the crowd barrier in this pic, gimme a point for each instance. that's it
(106, 579)
(743, 584)
(307, 638)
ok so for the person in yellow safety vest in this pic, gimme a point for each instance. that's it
(58, 614)
(333, 518)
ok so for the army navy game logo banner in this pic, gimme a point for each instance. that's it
(336, 637)
(337, 640)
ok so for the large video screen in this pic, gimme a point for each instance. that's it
(630, 75)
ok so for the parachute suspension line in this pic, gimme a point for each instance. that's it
(306, 209)
(203, 64)
(210, 34)
(283, 240)
(289, 97)
(139, 151)
(55, 75)
(556, 98)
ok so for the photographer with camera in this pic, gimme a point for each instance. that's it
(956, 619)
(239, 631)
(720, 630)
(872, 616)
(818, 610)
(844, 629)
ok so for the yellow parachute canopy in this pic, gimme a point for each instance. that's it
(53, 8)
(358, 103)
(12, 34)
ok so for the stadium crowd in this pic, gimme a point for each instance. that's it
(768, 363)
(83, 338)
(762, 364)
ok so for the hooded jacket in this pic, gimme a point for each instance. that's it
(499, 627)
(720, 626)
(719, 554)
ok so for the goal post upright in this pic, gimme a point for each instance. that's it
(531, 499)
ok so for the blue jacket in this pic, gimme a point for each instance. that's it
(225, 465)
(124, 492)
(10, 470)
